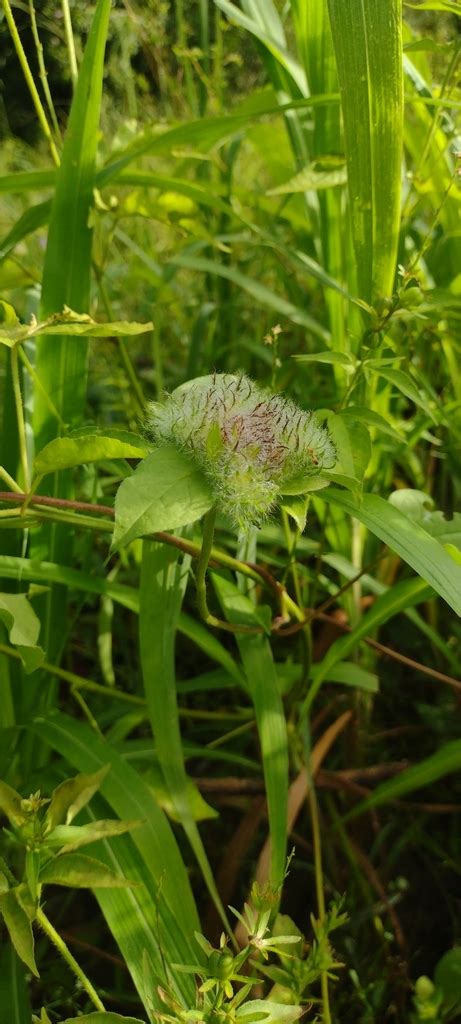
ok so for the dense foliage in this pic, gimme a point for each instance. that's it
(230, 531)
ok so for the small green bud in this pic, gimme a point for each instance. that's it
(249, 442)
(424, 988)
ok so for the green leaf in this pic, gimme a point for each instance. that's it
(76, 870)
(35, 570)
(419, 507)
(269, 1012)
(374, 419)
(163, 583)
(71, 837)
(72, 324)
(158, 915)
(407, 386)
(353, 449)
(368, 47)
(296, 507)
(13, 989)
(261, 674)
(102, 1018)
(444, 762)
(447, 977)
(10, 804)
(312, 177)
(70, 796)
(165, 491)
(337, 358)
(61, 365)
(65, 452)
(19, 928)
(425, 555)
(23, 628)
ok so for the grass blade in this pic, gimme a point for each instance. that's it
(443, 762)
(260, 671)
(368, 47)
(414, 545)
(163, 583)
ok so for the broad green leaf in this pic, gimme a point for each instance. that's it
(65, 452)
(425, 555)
(261, 674)
(166, 491)
(19, 928)
(10, 804)
(444, 762)
(14, 999)
(23, 628)
(71, 837)
(368, 47)
(76, 870)
(73, 794)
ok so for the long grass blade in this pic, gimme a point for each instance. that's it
(259, 667)
(163, 582)
(368, 46)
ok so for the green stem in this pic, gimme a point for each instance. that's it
(71, 962)
(20, 417)
(318, 869)
(43, 72)
(127, 364)
(200, 580)
(5, 476)
(70, 41)
(29, 79)
(204, 558)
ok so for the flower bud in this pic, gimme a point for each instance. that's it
(249, 443)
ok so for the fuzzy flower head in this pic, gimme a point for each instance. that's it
(251, 444)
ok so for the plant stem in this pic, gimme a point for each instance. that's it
(43, 72)
(204, 558)
(318, 869)
(20, 417)
(29, 79)
(70, 41)
(57, 941)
